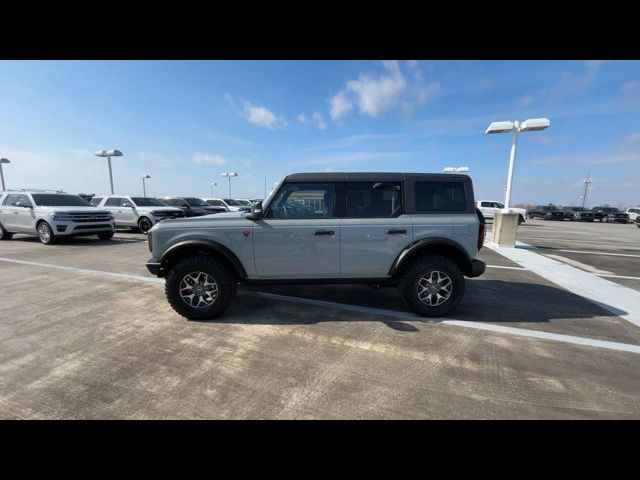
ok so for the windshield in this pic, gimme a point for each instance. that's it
(233, 203)
(195, 202)
(147, 202)
(549, 209)
(56, 200)
(245, 202)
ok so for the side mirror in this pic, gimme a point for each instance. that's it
(256, 211)
(127, 204)
(24, 205)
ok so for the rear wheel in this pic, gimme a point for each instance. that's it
(45, 234)
(4, 235)
(200, 287)
(433, 286)
(144, 225)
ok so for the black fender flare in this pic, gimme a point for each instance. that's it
(412, 247)
(210, 245)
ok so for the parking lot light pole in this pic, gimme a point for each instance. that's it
(229, 175)
(213, 184)
(455, 170)
(516, 127)
(144, 190)
(109, 154)
(3, 161)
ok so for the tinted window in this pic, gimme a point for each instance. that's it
(486, 204)
(24, 199)
(232, 202)
(113, 202)
(303, 200)
(11, 200)
(373, 199)
(57, 200)
(440, 197)
(195, 202)
(147, 202)
(215, 203)
(96, 201)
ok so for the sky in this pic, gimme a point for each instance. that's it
(186, 122)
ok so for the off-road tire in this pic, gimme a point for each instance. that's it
(5, 235)
(144, 225)
(225, 279)
(408, 285)
(105, 236)
(45, 234)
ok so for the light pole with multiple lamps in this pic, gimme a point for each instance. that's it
(455, 170)
(213, 184)
(109, 154)
(229, 175)
(3, 161)
(516, 127)
(144, 189)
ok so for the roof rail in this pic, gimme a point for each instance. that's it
(39, 190)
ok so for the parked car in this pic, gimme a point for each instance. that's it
(419, 232)
(216, 202)
(138, 213)
(232, 205)
(547, 212)
(192, 206)
(634, 213)
(610, 214)
(638, 221)
(489, 208)
(245, 202)
(578, 214)
(51, 215)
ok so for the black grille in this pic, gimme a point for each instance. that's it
(91, 227)
(89, 217)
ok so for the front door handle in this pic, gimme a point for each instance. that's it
(396, 231)
(324, 232)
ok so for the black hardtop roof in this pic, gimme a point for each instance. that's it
(365, 176)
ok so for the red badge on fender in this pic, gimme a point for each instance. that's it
(246, 232)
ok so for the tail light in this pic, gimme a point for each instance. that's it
(482, 229)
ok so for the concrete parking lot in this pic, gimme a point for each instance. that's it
(85, 332)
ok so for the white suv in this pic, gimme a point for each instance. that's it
(634, 212)
(140, 213)
(51, 215)
(232, 205)
(488, 208)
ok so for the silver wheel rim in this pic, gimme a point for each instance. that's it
(45, 235)
(198, 290)
(434, 288)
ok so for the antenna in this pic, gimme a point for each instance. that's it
(587, 182)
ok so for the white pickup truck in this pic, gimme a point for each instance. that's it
(490, 207)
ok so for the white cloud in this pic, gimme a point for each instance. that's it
(302, 118)
(262, 116)
(341, 105)
(375, 95)
(319, 120)
(525, 101)
(208, 159)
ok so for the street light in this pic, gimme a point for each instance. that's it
(530, 125)
(144, 190)
(109, 154)
(229, 175)
(213, 184)
(455, 170)
(3, 161)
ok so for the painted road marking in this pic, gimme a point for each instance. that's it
(616, 298)
(508, 268)
(599, 253)
(613, 244)
(575, 263)
(523, 332)
(619, 276)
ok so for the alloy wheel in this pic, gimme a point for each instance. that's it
(198, 289)
(434, 288)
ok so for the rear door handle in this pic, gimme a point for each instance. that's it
(324, 232)
(396, 231)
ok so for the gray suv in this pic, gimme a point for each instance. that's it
(419, 232)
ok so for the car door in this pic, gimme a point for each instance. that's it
(487, 209)
(26, 217)
(299, 235)
(9, 212)
(113, 204)
(374, 228)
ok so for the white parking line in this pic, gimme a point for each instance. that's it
(599, 253)
(523, 332)
(616, 298)
(575, 263)
(507, 268)
(618, 276)
(614, 244)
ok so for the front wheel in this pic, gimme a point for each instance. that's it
(45, 234)
(433, 286)
(200, 287)
(4, 235)
(144, 225)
